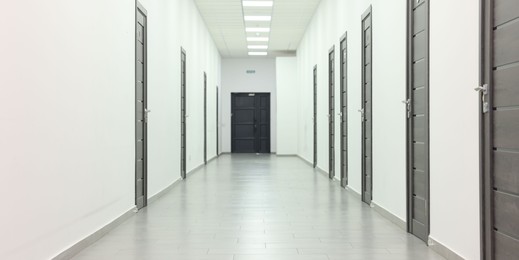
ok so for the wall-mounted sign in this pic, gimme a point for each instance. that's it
(251, 71)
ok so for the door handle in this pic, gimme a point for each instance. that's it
(361, 114)
(484, 96)
(146, 112)
(408, 107)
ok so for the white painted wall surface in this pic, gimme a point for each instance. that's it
(166, 35)
(332, 19)
(236, 80)
(67, 156)
(287, 111)
(454, 126)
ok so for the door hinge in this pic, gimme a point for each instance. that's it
(484, 97)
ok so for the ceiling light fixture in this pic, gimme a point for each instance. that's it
(257, 53)
(257, 29)
(257, 39)
(258, 47)
(258, 3)
(261, 18)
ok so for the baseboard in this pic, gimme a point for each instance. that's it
(287, 155)
(354, 193)
(322, 171)
(443, 250)
(212, 159)
(163, 192)
(390, 216)
(305, 160)
(92, 238)
(196, 168)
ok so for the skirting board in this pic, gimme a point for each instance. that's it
(390, 216)
(443, 250)
(89, 240)
(354, 193)
(163, 192)
(305, 160)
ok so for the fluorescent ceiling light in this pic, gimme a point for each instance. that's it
(258, 39)
(257, 29)
(257, 53)
(266, 18)
(258, 3)
(258, 47)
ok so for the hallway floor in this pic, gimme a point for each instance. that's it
(250, 207)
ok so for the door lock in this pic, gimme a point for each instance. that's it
(483, 90)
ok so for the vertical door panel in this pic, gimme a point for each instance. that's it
(205, 118)
(140, 108)
(217, 121)
(500, 128)
(183, 115)
(417, 111)
(331, 113)
(315, 116)
(344, 112)
(367, 118)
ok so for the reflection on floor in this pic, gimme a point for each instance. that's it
(244, 207)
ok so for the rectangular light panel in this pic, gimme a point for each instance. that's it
(266, 18)
(258, 3)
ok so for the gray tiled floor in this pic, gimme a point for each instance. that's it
(248, 207)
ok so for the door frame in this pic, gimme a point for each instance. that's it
(217, 122)
(331, 113)
(205, 118)
(409, 125)
(183, 113)
(315, 115)
(364, 16)
(486, 132)
(344, 103)
(139, 8)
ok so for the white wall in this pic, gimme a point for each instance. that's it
(331, 20)
(454, 126)
(166, 35)
(67, 152)
(235, 80)
(287, 111)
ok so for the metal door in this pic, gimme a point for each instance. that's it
(417, 113)
(205, 118)
(344, 111)
(217, 121)
(499, 92)
(250, 131)
(366, 110)
(183, 114)
(314, 118)
(331, 112)
(141, 108)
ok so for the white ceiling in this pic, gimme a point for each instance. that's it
(224, 19)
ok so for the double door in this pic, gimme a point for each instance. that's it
(250, 119)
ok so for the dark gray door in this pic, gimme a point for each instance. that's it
(344, 111)
(331, 112)
(217, 121)
(315, 116)
(141, 110)
(205, 118)
(500, 128)
(183, 114)
(417, 112)
(366, 110)
(250, 119)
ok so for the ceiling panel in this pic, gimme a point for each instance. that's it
(224, 20)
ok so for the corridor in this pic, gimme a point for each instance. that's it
(249, 207)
